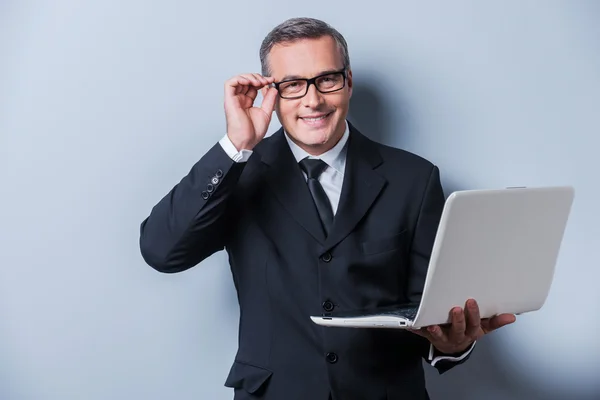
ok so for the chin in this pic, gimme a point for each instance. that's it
(315, 134)
(315, 138)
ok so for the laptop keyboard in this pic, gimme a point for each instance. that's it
(409, 312)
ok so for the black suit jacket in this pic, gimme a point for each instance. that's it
(285, 269)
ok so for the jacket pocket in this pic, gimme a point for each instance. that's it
(246, 376)
(384, 244)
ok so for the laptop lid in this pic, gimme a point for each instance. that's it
(497, 246)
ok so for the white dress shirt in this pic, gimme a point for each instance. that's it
(331, 179)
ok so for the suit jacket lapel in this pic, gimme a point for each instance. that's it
(287, 182)
(362, 184)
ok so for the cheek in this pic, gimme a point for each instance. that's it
(288, 111)
(342, 102)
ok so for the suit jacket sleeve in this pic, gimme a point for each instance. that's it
(432, 205)
(192, 221)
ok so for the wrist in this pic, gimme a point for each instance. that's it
(454, 351)
(232, 151)
(241, 144)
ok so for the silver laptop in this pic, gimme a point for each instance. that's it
(497, 246)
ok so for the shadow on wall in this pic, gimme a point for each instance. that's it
(384, 120)
(369, 113)
(483, 376)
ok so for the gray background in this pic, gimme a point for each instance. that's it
(105, 105)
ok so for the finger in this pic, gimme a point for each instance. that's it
(236, 85)
(241, 83)
(498, 321)
(252, 92)
(473, 320)
(263, 80)
(255, 79)
(243, 89)
(264, 90)
(457, 330)
(238, 80)
(266, 79)
(251, 88)
(268, 103)
(437, 334)
(421, 332)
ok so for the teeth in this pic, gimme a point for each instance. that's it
(315, 119)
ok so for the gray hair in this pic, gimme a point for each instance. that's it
(300, 28)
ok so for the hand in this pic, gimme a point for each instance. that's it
(464, 329)
(246, 124)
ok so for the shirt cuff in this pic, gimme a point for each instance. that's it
(237, 156)
(437, 359)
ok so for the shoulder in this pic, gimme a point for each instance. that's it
(397, 159)
(401, 157)
(404, 171)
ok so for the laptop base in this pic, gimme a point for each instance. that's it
(398, 317)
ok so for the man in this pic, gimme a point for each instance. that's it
(315, 218)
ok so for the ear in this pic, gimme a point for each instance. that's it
(277, 102)
(278, 110)
(349, 82)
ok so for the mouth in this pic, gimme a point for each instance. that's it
(316, 119)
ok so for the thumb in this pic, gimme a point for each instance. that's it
(268, 103)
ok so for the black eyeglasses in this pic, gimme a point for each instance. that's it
(325, 83)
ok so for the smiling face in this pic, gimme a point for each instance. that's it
(315, 122)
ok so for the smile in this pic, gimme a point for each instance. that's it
(313, 120)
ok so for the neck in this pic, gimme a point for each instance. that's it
(318, 149)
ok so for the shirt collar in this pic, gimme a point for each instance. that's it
(334, 157)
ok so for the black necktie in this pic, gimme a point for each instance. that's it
(314, 168)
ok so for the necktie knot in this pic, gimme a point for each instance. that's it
(312, 167)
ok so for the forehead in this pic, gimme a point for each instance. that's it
(304, 58)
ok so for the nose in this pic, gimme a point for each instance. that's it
(313, 97)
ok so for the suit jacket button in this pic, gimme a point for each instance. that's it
(328, 306)
(215, 180)
(332, 358)
(326, 257)
(210, 188)
(219, 173)
(205, 195)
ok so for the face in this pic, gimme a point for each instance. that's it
(315, 122)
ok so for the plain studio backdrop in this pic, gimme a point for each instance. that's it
(105, 105)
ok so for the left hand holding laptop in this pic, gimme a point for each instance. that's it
(465, 328)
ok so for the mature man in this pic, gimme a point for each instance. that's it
(315, 218)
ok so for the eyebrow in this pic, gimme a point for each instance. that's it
(290, 77)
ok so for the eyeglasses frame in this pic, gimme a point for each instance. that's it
(312, 81)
